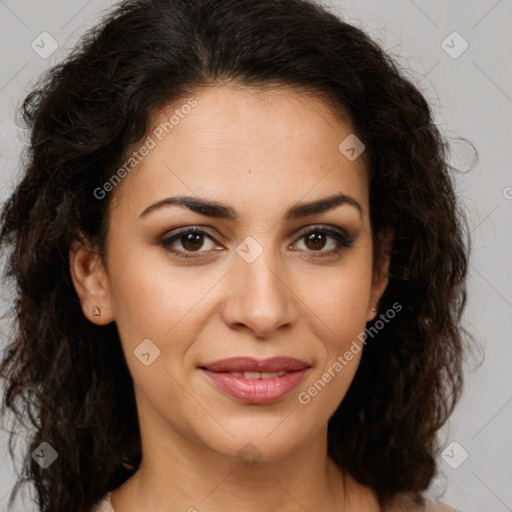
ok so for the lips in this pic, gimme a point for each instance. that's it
(248, 364)
(256, 382)
(258, 375)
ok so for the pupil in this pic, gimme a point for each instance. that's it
(317, 239)
(190, 240)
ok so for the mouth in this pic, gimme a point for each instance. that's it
(257, 375)
(252, 381)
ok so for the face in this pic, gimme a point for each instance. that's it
(254, 273)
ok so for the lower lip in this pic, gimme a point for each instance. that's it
(256, 391)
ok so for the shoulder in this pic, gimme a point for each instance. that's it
(104, 505)
(438, 506)
(405, 503)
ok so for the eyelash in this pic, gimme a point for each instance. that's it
(343, 240)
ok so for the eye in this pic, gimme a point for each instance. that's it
(190, 239)
(316, 238)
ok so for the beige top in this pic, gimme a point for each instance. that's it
(402, 505)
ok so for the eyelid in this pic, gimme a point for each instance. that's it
(342, 237)
(174, 233)
(321, 227)
(297, 233)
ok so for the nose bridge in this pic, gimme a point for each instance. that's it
(258, 297)
(261, 274)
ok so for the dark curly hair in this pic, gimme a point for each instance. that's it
(67, 378)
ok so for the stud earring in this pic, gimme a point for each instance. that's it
(96, 311)
(374, 310)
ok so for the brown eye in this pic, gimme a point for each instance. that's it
(192, 241)
(186, 241)
(316, 239)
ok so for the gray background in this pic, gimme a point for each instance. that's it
(472, 97)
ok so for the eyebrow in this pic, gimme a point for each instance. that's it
(221, 211)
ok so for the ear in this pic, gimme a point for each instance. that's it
(380, 271)
(90, 282)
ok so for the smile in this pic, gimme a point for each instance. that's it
(256, 382)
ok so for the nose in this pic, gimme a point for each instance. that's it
(258, 298)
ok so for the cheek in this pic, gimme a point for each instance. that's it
(155, 307)
(339, 299)
(166, 304)
(150, 296)
(337, 310)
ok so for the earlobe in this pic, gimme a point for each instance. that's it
(90, 282)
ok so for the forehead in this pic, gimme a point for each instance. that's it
(278, 116)
(245, 144)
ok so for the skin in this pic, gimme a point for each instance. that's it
(260, 153)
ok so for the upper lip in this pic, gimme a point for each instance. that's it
(249, 364)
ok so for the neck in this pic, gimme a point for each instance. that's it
(180, 473)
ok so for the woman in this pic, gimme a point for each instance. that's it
(239, 267)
